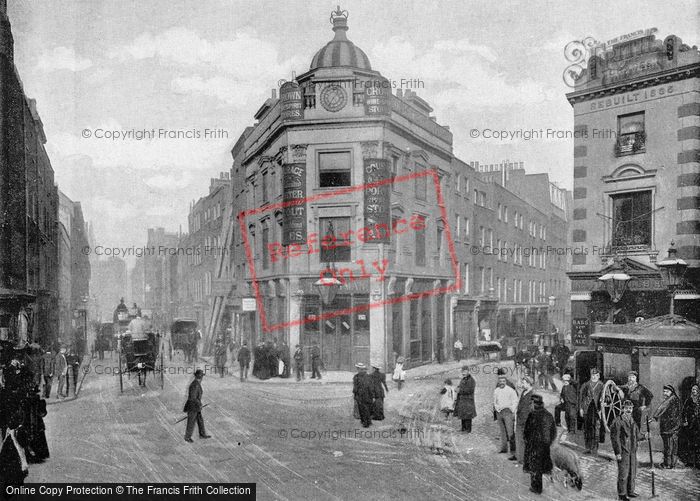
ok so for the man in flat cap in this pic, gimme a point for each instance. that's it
(638, 394)
(589, 409)
(540, 432)
(624, 435)
(568, 402)
(668, 414)
(363, 392)
(193, 407)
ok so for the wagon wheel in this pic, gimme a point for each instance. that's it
(610, 403)
(121, 380)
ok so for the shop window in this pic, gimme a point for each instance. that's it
(631, 219)
(334, 169)
(631, 136)
(335, 248)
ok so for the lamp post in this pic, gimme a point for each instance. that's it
(672, 270)
(328, 286)
(616, 282)
(551, 300)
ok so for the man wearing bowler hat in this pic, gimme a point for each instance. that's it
(624, 435)
(193, 407)
(638, 394)
(589, 409)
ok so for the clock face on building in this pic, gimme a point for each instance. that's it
(333, 98)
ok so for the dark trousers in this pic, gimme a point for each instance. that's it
(365, 410)
(47, 386)
(591, 429)
(670, 448)
(300, 372)
(536, 482)
(244, 369)
(467, 425)
(505, 423)
(192, 417)
(569, 414)
(221, 368)
(457, 354)
(315, 372)
(626, 473)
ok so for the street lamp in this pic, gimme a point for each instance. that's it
(672, 270)
(328, 285)
(616, 281)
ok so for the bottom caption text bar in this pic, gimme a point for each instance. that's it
(123, 491)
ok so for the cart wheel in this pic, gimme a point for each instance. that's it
(121, 378)
(610, 403)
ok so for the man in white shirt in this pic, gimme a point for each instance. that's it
(505, 403)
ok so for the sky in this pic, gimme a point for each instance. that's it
(97, 66)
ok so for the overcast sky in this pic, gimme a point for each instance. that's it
(195, 64)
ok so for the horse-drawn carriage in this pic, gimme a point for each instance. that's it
(139, 347)
(184, 336)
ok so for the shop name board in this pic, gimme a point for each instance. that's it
(291, 101)
(248, 304)
(580, 331)
(377, 210)
(358, 286)
(634, 284)
(377, 99)
(631, 36)
(294, 197)
(631, 68)
(632, 97)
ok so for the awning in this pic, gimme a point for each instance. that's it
(581, 296)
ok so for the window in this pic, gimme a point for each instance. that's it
(465, 283)
(466, 228)
(336, 248)
(482, 271)
(500, 211)
(265, 242)
(265, 187)
(497, 250)
(505, 213)
(334, 169)
(438, 236)
(482, 236)
(421, 185)
(631, 137)
(490, 239)
(631, 219)
(505, 252)
(420, 244)
(458, 229)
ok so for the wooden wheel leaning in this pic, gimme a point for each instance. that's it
(610, 403)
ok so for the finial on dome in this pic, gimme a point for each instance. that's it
(339, 20)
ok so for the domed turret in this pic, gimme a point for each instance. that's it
(340, 51)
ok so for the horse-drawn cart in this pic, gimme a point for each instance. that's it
(183, 336)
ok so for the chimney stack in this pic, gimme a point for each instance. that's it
(274, 93)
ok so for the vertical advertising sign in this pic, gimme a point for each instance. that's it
(291, 101)
(377, 97)
(294, 196)
(377, 201)
(580, 331)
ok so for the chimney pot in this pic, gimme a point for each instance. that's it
(274, 93)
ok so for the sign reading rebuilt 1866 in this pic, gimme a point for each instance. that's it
(377, 200)
(294, 196)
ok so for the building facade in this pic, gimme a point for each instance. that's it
(636, 177)
(108, 285)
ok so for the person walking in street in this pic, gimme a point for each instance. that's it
(505, 403)
(74, 369)
(285, 356)
(540, 433)
(315, 361)
(542, 369)
(447, 402)
(624, 435)
(220, 355)
(668, 414)
(399, 375)
(561, 354)
(457, 350)
(380, 389)
(589, 410)
(363, 393)
(465, 408)
(638, 394)
(690, 431)
(61, 369)
(299, 362)
(193, 407)
(568, 403)
(244, 361)
(48, 368)
(521, 414)
(13, 461)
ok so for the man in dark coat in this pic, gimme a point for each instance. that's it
(37, 449)
(589, 409)
(220, 356)
(193, 407)
(561, 354)
(315, 361)
(540, 432)
(521, 414)
(285, 356)
(668, 415)
(568, 402)
(638, 394)
(13, 463)
(624, 435)
(379, 387)
(465, 408)
(299, 362)
(363, 392)
(244, 360)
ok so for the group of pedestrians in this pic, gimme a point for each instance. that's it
(22, 410)
(369, 391)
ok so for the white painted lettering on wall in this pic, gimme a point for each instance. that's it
(631, 97)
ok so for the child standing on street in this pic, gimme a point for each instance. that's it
(399, 374)
(447, 402)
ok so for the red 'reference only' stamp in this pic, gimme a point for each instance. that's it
(296, 243)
